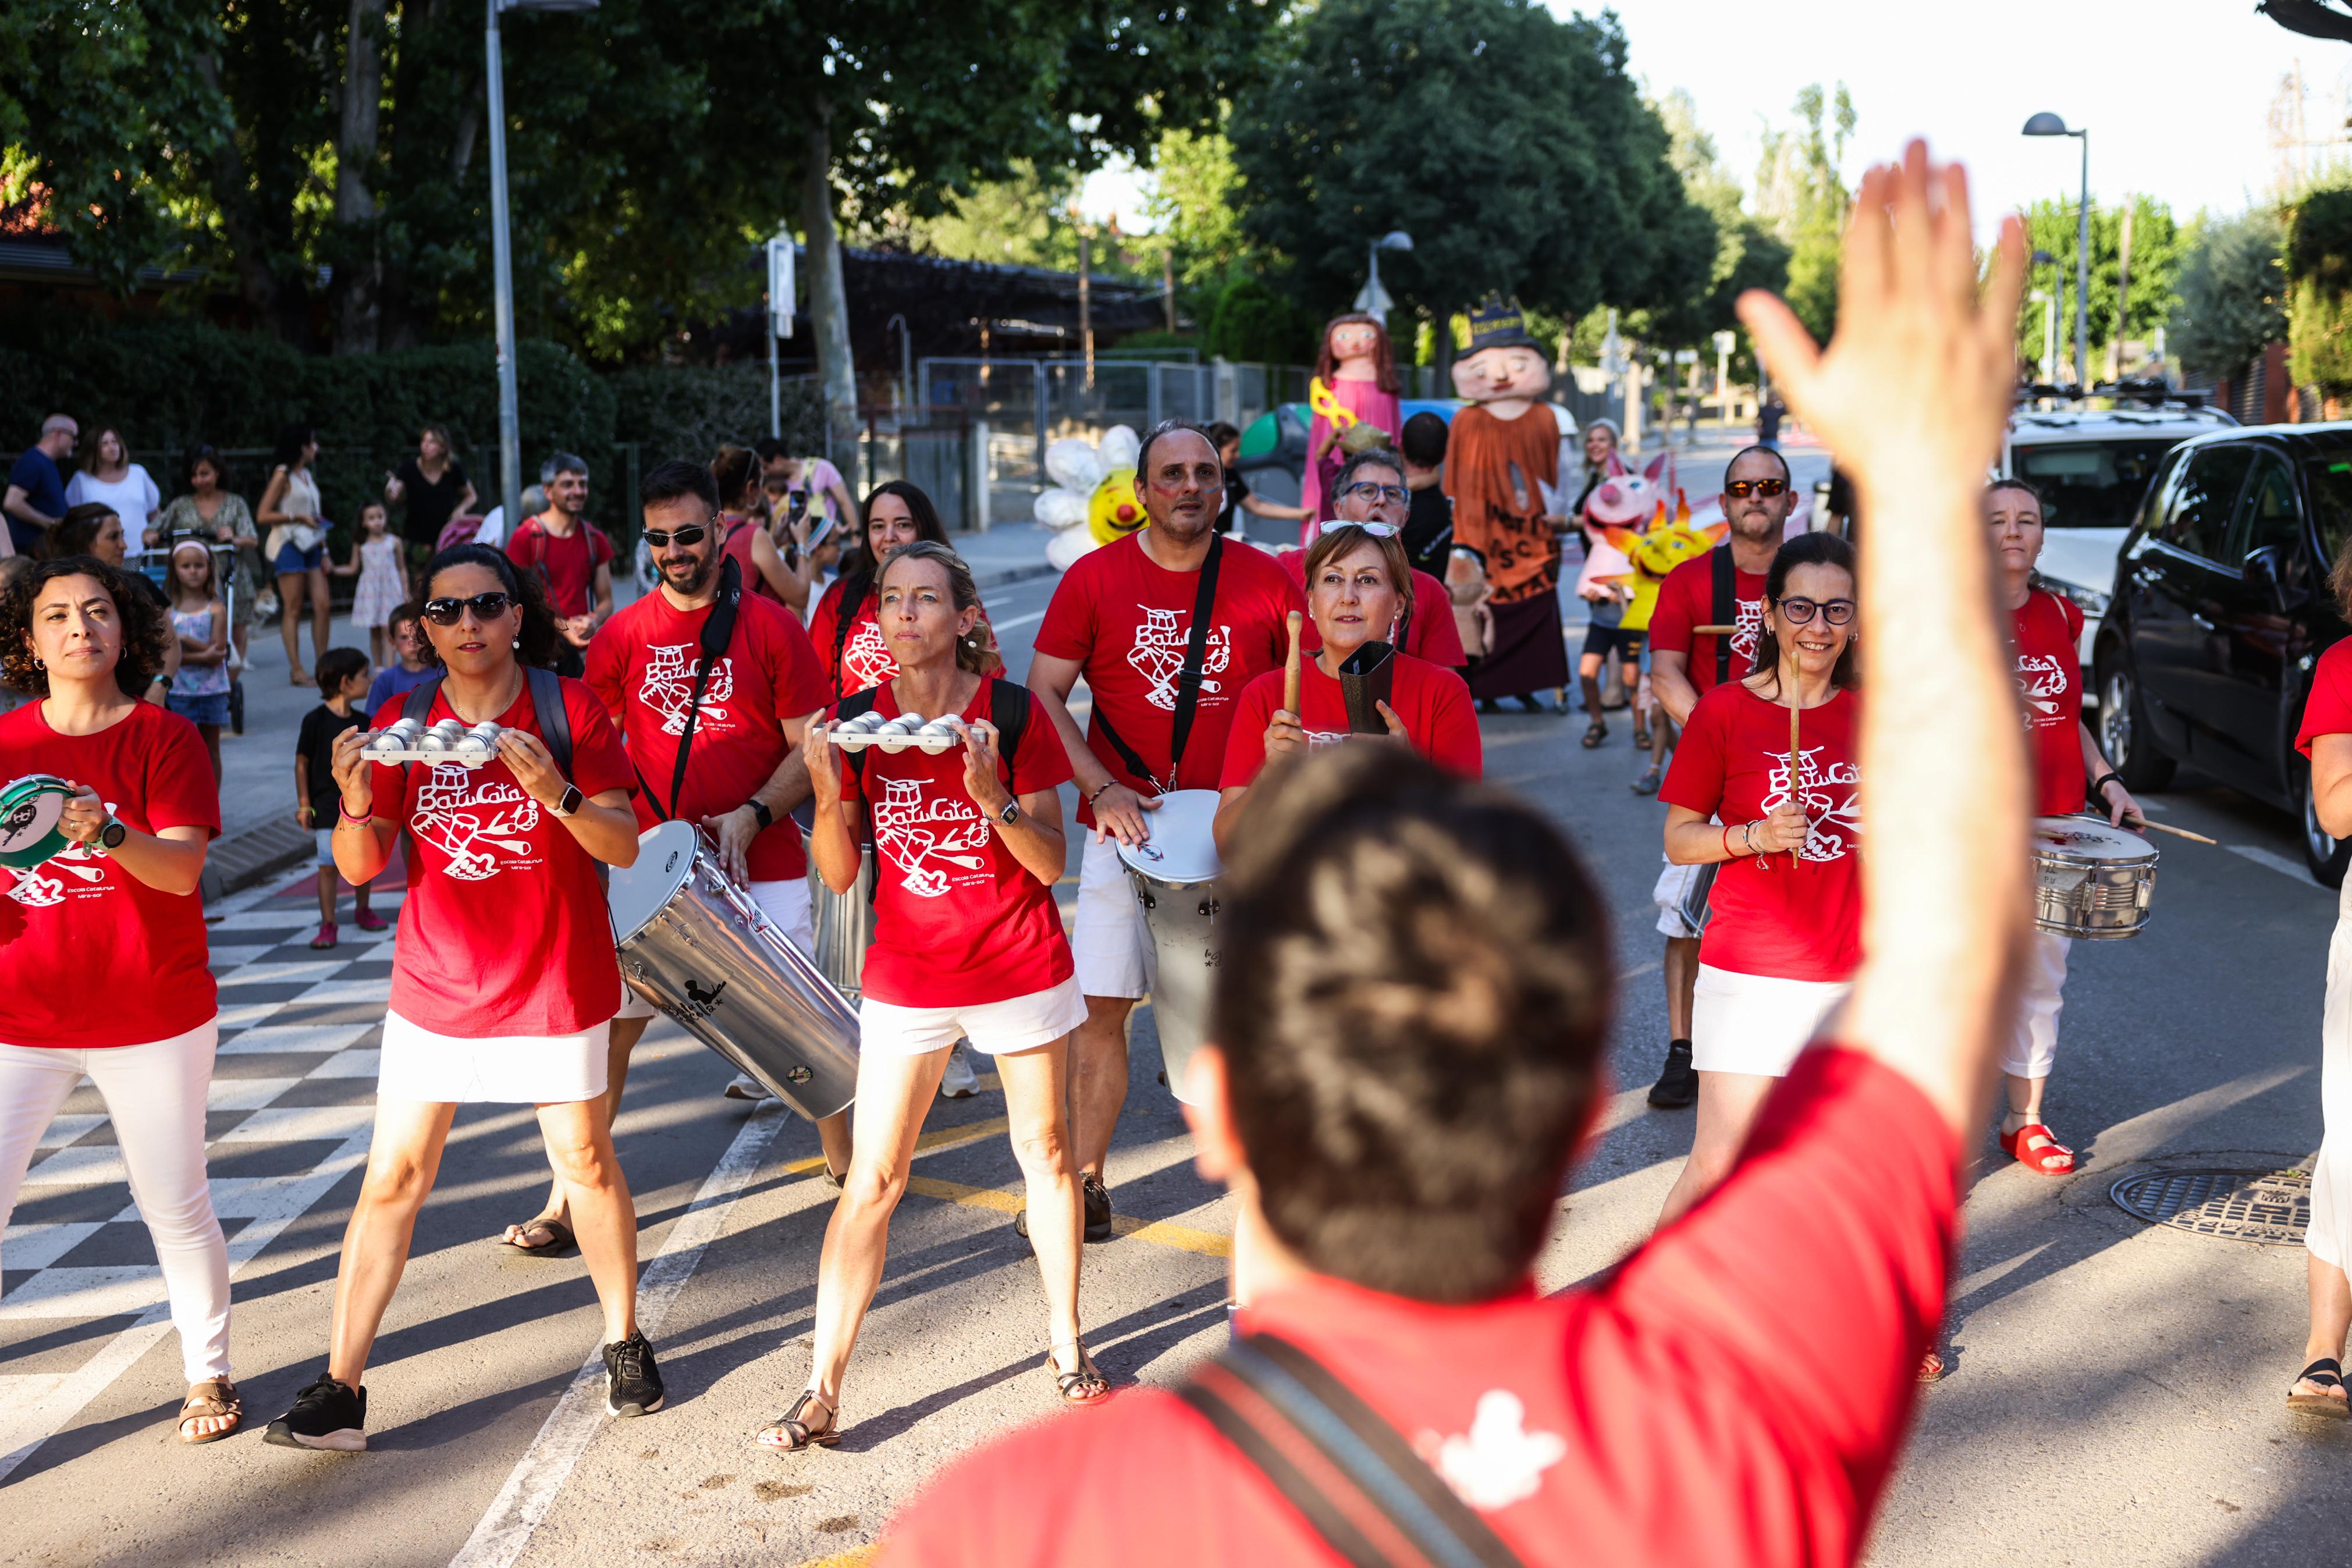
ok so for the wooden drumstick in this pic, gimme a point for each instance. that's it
(1796, 747)
(2180, 832)
(1291, 669)
(1715, 631)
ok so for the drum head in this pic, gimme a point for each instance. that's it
(1181, 849)
(664, 860)
(30, 809)
(2087, 838)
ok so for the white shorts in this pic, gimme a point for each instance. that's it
(504, 1069)
(1757, 1023)
(1109, 940)
(999, 1028)
(1673, 883)
(786, 902)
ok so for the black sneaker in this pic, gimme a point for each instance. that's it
(326, 1415)
(1677, 1084)
(1097, 1201)
(632, 1385)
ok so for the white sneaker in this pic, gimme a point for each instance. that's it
(960, 1083)
(746, 1087)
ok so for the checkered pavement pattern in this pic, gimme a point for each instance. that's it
(292, 1098)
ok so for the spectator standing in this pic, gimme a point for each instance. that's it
(572, 559)
(1429, 510)
(743, 532)
(384, 578)
(493, 531)
(434, 486)
(1238, 498)
(343, 678)
(200, 621)
(208, 508)
(297, 546)
(93, 530)
(108, 477)
(814, 477)
(810, 545)
(35, 498)
(407, 671)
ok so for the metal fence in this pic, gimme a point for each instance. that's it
(930, 447)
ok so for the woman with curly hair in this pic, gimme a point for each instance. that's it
(116, 914)
(504, 982)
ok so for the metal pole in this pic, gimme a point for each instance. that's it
(2083, 275)
(503, 288)
(775, 382)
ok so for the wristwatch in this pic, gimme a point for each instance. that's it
(759, 809)
(111, 834)
(569, 801)
(1011, 814)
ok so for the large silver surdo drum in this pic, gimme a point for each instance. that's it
(2090, 879)
(1175, 877)
(694, 945)
(843, 923)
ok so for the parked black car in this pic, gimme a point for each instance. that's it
(2220, 609)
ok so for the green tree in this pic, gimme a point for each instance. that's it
(1803, 201)
(2318, 265)
(1747, 255)
(1513, 147)
(2157, 246)
(2232, 292)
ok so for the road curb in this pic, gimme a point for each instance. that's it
(255, 855)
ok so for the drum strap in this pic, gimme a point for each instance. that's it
(1188, 681)
(1352, 1476)
(1725, 609)
(718, 631)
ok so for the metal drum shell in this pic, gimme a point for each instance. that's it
(711, 959)
(843, 923)
(2091, 898)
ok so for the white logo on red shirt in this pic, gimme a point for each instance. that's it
(475, 822)
(865, 658)
(34, 891)
(1159, 653)
(1832, 798)
(2042, 680)
(916, 831)
(1749, 623)
(669, 686)
(88, 872)
(1498, 1461)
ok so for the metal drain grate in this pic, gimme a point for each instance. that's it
(2270, 1209)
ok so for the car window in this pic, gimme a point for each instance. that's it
(2197, 521)
(2272, 516)
(2329, 481)
(2091, 484)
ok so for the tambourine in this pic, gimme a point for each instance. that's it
(30, 810)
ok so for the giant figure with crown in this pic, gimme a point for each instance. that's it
(1502, 466)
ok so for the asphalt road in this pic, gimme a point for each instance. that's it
(2114, 1394)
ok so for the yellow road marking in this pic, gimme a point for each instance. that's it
(929, 1143)
(849, 1559)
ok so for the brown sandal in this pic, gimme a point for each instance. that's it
(212, 1399)
(798, 1433)
(560, 1239)
(1087, 1386)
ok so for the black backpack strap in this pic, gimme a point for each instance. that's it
(1727, 607)
(1352, 1477)
(419, 705)
(718, 631)
(554, 723)
(1008, 710)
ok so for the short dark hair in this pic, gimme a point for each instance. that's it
(771, 449)
(1160, 431)
(147, 634)
(80, 529)
(407, 609)
(1218, 433)
(674, 480)
(1422, 439)
(1413, 1048)
(1806, 550)
(537, 634)
(204, 452)
(335, 666)
(2011, 482)
(1787, 477)
(1378, 457)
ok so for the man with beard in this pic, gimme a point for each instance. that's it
(721, 758)
(1724, 587)
(572, 557)
(1124, 617)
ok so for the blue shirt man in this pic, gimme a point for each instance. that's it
(35, 498)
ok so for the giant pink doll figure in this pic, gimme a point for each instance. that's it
(1355, 383)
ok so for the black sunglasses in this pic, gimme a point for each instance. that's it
(1740, 489)
(1836, 611)
(485, 607)
(693, 534)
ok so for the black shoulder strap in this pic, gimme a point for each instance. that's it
(1727, 609)
(554, 723)
(1360, 1486)
(1188, 679)
(717, 630)
(419, 706)
(1008, 710)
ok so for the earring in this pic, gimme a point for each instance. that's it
(37, 664)
(517, 644)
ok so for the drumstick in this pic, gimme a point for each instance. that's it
(1796, 749)
(1291, 669)
(2180, 832)
(1715, 631)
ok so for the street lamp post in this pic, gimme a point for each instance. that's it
(1374, 300)
(502, 258)
(2048, 124)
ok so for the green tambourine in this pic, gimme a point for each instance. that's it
(30, 809)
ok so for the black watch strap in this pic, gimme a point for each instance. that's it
(2100, 784)
(767, 818)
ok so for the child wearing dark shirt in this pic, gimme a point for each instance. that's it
(342, 675)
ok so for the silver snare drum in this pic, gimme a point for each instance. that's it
(2090, 880)
(694, 945)
(1175, 877)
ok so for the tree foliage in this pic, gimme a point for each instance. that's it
(2318, 265)
(2231, 291)
(1803, 201)
(1513, 147)
(1748, 254)
(2159, 244)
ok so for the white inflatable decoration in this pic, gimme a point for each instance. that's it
(1092, 500)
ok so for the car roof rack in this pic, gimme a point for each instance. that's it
(2152, 393)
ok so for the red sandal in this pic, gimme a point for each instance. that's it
(2038, 1150)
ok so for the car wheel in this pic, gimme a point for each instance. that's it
(2326, 857)
(2124, 733)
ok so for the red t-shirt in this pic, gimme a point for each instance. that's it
(1735, 1393)
(958, 919)
(1433, 702)
(738, 544)
(1686, 598)
(1124, 620)
(2050, 679)
(1799, 921)
(95, 956)
(1430, 635)
(505, 931)
(864, 659)
(570, 562)
(641, 666)
(2328, 710)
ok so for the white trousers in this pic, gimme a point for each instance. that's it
(155, 1094)
(2031, 1048)
(2329, 1234)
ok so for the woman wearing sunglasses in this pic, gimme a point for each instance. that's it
(503, 982)
(1784, 932)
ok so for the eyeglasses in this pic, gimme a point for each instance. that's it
(1740, 489)
(485, 607)
(1377, 530)
(1836, 611)
(694, 534)
(1376, 492)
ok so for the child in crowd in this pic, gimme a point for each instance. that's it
(377, 562)
(406, 672)
(342, 675)
(200, 691)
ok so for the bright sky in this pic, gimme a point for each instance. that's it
(2176, 93)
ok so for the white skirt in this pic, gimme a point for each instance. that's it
(1757, 1023)
(505, 1070)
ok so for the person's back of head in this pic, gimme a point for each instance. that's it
(1422, 440)
(1414, 1047)
(735, 470)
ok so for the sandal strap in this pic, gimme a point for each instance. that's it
(213, 1397)
(2327, 1371)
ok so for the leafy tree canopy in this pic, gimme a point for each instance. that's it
(2158, 244)
(2233, 293)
